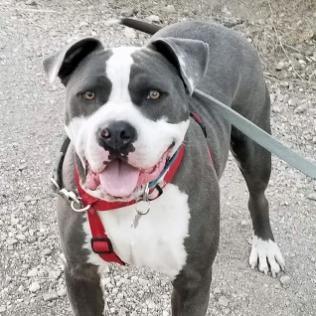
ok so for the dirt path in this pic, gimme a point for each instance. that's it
(31, 114)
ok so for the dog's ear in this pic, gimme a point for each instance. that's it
(190, 57)
(65, 62)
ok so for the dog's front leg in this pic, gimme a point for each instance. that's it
(191, 287)
(191, 292)
(84, 290)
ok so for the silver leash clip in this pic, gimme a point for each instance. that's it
(79, 210)
(71, 197)
(75, 203)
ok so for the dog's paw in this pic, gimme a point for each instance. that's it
(266, 255)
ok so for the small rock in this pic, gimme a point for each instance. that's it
(217, 290)
(284, 84)
(291, 102)
(62, 292)
(122, 312)
(2, 309)
(11, 241)
(32, 273)
(20, 237)
(14, 220)
(128, 12)
(47, 252)
(28, 198)
(165, 313)
(31, 2)
(151, 304)
(226, 311)
(22, 167)
(226, 11)
(83, 24)
(153, 18)
(285, 281)
(300, 109)
(312, 196)
(50, 296)
(130, 33)
(276, 109)
(223, 301)
(280, 65)
(302, 62)
(54, 274)
(34, 287)
(169, 8)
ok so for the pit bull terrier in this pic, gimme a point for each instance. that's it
(137, 146)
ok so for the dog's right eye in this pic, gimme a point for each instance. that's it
(88, 95)
(153, 95)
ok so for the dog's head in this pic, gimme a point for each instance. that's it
(127, 108)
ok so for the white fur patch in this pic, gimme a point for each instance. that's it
(266, 255)
(157, 241)
(118, 69)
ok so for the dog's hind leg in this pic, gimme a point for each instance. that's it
(84, 290)
(255, 165)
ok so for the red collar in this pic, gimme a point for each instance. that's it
(100, 243)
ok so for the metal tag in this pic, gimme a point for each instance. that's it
(136, 220)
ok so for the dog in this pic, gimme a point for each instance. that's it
(145, 145)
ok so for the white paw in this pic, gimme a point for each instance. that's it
(267, 256)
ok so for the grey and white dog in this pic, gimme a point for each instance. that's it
(128, 111)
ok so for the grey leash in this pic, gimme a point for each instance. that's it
(261, 137)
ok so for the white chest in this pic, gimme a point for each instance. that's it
(158, 240)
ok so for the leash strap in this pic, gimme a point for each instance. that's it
(198, 119)
(261, 137)
(57, 178)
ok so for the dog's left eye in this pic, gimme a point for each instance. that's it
(88, 95)
(153, 95)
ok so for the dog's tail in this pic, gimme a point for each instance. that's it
(141, 25)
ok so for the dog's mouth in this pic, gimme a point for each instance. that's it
(120, 180)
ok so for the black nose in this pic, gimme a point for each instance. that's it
(118, 137)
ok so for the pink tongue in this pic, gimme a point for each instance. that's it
(119, 179)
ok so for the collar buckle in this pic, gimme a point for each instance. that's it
(101, 245)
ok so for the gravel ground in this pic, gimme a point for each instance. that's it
(31, 113)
